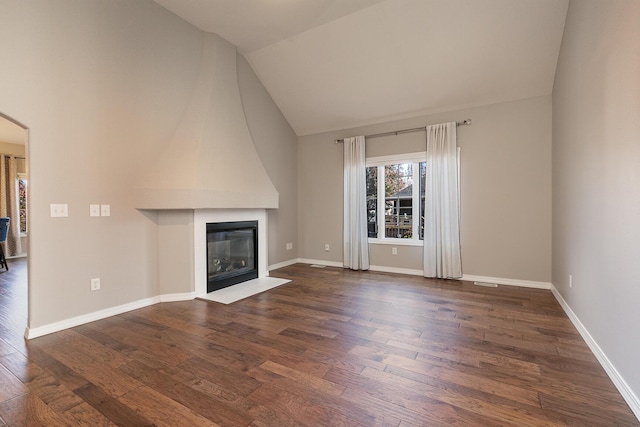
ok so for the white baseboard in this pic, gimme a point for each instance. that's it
(508, 282)
(627, 393)
(185, 296)
(320, 262)
(283, 264)
(414, 272)
(386, 269)
(467, 277)
(383, 269)
(102, 314)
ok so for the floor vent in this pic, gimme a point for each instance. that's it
(318, 266)
(486, 284)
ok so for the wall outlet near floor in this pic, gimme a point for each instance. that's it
(327, 248)
(570, 281)
(289, 246)
(394, 251)
(95, 284)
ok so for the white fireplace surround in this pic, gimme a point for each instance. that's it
(203, 216)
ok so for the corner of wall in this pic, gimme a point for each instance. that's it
(625, 390)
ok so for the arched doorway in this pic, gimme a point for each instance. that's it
(14, 200)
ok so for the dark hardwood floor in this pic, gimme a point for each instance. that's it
(332, 347)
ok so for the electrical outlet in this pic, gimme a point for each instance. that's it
(394, 251)
(327, 248)
(570, 281)
(95, 284)
(289, 246)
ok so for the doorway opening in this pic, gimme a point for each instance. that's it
(14, 204)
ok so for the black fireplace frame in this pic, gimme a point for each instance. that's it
(233, 279)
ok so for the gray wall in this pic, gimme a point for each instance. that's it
(276, 144)
(596, 176)
(101, 85)
(505, 185)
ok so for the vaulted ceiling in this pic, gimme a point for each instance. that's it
(334, 64)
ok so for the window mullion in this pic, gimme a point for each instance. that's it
(381, 203)
(415, 194)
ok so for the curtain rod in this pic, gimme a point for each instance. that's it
(13, 155)
(466, 122)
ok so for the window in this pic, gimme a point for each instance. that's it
(22, 201)
(372, 201)
(396, 209)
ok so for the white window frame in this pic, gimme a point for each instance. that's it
(415, 159)
(24, 176)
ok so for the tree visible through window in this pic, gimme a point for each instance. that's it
(22, 202)
(372, 201)
(396, 211)
(398, 201)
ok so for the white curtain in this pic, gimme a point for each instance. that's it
(442, 256)
(355, 245)
(9, 203)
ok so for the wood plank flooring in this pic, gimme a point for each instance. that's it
(331, 348)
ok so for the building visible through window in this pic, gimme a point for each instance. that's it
(395, 210)
(398, 201)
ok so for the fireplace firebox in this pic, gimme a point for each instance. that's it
(232, 253)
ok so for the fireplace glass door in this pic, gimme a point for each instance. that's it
(232, 253)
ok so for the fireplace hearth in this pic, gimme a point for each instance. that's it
(232, 253)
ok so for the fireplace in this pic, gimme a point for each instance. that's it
(232, 253)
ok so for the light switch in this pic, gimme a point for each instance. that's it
(58, 210)
(94, 210)
(105, 210)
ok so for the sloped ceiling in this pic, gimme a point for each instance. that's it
(334, 64)
(11, 133)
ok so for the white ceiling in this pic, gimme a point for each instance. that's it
(254, 24)
(11, 132)
(334, 64)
